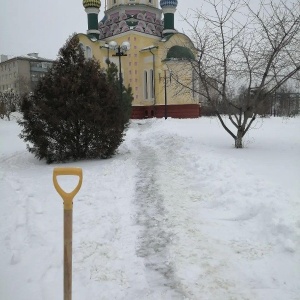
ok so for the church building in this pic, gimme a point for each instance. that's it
(140, 38)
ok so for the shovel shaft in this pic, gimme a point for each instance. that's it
(68, 216)
(68, 221)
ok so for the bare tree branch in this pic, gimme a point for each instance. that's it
(246, 53)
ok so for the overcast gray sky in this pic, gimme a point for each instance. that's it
(43, 26)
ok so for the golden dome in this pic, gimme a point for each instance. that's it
(91, 3)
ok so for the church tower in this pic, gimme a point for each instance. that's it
(156, 52)
(92, 8)
(169, 9)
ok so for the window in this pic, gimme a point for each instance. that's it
(193, 83)
(88, 52)
(152, 83)
(146, 84)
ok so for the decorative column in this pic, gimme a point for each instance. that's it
(92, 8)
(169, 9)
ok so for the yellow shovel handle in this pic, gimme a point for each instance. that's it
(67, 197)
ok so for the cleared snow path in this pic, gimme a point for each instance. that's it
(156, 234)
(212, 229)
(182, 262)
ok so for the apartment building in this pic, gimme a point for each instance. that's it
(22, 73)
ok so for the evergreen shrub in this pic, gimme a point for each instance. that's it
(74, 112)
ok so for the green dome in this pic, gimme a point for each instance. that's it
(91, 3)
(179, 52)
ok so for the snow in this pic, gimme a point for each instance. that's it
(178, 213)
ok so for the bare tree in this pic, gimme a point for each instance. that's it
(24, 85)
(240, 45)
(9, 102)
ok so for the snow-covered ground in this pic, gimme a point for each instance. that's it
(177, 214)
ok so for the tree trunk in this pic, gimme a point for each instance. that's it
(239, 139)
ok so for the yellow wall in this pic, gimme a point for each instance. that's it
(139, 60)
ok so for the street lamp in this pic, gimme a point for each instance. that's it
(120, 51)
(106, 46)
(165, 68)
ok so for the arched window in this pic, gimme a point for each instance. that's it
(88, 52)
(146, 84)
(152, 84)
(193, 82)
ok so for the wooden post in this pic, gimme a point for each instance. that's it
(68, 216)
(68, 224)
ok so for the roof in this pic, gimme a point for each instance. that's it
(29, 56)
(180, 52)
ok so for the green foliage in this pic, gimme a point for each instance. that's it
(127, 97)
(74, 112)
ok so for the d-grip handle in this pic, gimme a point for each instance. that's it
(67, 197)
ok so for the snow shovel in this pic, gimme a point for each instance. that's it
(68, 220)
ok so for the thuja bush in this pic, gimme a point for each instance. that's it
(127, 97)
(74, 112)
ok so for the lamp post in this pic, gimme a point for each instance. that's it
(106, 46)
(120, 51)
(166, 102)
